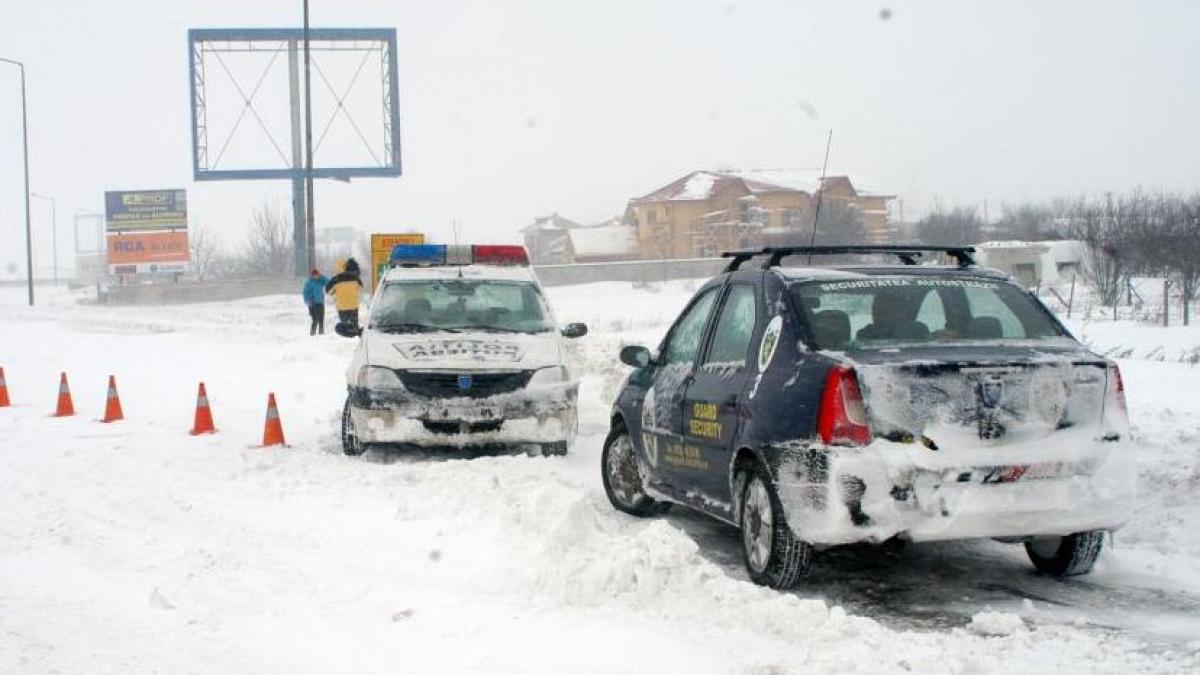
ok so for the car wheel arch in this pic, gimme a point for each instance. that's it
(744, 460)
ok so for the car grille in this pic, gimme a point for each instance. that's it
(445, 384)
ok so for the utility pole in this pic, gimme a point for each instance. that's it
(310, 225)
(53, 229)
(25, 144)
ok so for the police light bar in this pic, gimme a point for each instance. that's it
(501, 255)
(437, 255)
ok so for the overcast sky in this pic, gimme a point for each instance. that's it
(510, 110)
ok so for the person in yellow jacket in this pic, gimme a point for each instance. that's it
(346, 287)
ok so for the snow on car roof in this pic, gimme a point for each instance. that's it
(497, 272)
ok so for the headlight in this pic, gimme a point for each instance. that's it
(547, 376)
(378, 377)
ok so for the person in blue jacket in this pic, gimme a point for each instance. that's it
(314, 297)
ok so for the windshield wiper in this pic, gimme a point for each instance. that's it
(406, 328)
(490, 329)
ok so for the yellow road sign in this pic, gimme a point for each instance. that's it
(381, 251)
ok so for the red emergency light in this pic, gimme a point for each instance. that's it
(511, 254)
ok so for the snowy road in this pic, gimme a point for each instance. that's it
(137, 548)
(942, 585)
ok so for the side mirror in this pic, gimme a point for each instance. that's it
(347, 330)
(574, 330)
(636, 356)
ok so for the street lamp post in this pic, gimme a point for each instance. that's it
(53, 229)
(25, 144)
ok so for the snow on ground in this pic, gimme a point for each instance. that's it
(1141, 341)
(134, 547)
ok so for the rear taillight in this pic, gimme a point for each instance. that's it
(842, 419)
(1116, 410)
(1118, 385)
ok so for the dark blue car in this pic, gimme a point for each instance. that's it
(814, 407)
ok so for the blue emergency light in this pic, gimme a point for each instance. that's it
(431, 255)
(418, 255)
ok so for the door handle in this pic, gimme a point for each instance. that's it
(731, 401)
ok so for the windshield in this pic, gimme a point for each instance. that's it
(883, 311)
(460, 304)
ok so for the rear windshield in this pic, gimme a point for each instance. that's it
(875, 312)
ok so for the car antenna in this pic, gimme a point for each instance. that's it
(454, 228)
(820, 193)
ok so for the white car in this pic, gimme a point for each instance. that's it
(460, 349)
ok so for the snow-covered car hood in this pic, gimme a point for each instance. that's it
(466, 350)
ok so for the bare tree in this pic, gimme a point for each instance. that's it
(1030, 222)
(960, 225)
(1165, 240)
(269, 248)
(1123, 236)
(205, 247)
(1108, 261)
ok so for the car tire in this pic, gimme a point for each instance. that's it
(351, 446)
(773, 555)
(1067, 556)
(622, 478)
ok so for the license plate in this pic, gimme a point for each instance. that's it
(471, 414)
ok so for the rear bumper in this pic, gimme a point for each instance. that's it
(545, 415)
(845, 495)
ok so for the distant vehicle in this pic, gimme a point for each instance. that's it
(813, 407)
(460, 349)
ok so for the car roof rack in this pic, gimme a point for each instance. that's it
(907, 254)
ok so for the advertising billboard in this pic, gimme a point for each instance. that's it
(148, 252)
(142, 210)
(381, 251)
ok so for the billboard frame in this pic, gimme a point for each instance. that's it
(385, 36)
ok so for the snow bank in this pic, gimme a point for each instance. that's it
(996, 623)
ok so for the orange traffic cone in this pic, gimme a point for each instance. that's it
(273, 430)
(4, 402)
(204, 420)
(112, 408)
(65, 407)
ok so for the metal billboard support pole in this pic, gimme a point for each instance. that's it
(299, 218)
(25, 144)
(310, 225)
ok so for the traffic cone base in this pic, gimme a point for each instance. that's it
(66, 407)
(273, 429)
(112, 407)
(4, 402)
(204, 421)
